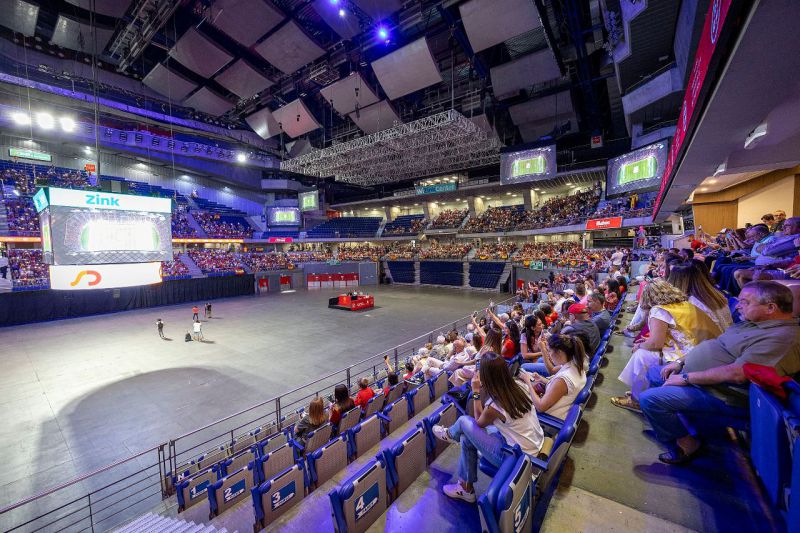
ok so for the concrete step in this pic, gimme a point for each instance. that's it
(196, 225)
(194, 270)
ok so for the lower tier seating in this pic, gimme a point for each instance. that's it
(402, 271)
(485, 275)
(441, 273)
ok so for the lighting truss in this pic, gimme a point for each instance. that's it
(438, 144)
(148, 18)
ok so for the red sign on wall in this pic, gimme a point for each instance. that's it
(715, 19)
(279, 240)
(90, 167)
(604, 223)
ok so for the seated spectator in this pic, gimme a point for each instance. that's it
(776, 257)
(365, 393)
(509, 409)
(600, 315)
(530, 337)
(675, 325)
(692, 279)
(342, 403)
(709, 380)
(314, 418)
(563, 387)
(174, 269)
(449, 218)
(581, 326)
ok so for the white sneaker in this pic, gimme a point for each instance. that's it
(457, 492)
(440, 432)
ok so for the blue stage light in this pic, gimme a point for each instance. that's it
(383, 33)
(342, 13)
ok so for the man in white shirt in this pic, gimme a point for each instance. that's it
(616, 258)
(197, 328)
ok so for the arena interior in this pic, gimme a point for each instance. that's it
(399, 265)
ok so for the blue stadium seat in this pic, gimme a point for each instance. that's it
(274, 462)
(485, 274)
(407, 459)
(508, 503)
(446, 416)
(441, 273)
(191, 490)
(346, 227)
(325, 462)
(364, 436)
(277, 495)
(402, 271)
(361, 499)
(230, 490)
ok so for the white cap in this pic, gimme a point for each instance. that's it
(470, 327)
(440, 339)
(422, 351)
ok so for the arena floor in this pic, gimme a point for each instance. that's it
(78, 394)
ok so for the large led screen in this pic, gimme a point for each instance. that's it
(528, 165)
(283, 216)
(91, 228)
(638, 170)
(309, 201)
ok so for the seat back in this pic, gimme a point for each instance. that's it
(365, 435)
(440, 384)
(445, 416)
(325, 462)
(272, 443)
(275, 462)
(794, 286)
(420, 397)
(515, 502)
(374, 405)
(211, 458)
(349, 420)
(408, 459)
(318, 438)
(244, 442)
(770, 450)
(360, 500)
(277, 495)
(394, 393)
(560, 448)
(230, 490)
(238, 461)
(397, 413)
(192, 490)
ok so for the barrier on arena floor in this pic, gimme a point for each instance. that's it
(135, 485)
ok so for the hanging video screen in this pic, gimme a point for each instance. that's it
(283, 216)
(528, 165)
(639, 170)
(309, 201)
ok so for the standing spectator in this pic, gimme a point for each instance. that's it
(208, 310)
(195, 313)
(197, 328)
(616, 258)
(160, 326)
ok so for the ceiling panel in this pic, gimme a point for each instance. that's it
(76, 35)
(490, 22)
(109, 8)
(245, 20)
(531, 131)
(263, 123)
(509, 78)
(346, 27)
(208, 101)
(243, 80)
(541, 108)
(406, 70)
(376, 117)
(168, 82)
(19, 16)
(199, 54)
(289, 48)
(295, 119)
(347, 93)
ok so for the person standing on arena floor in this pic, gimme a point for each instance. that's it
(207, 310)
(508, 418)
(195, 312)
(198, 330)
(160, 326)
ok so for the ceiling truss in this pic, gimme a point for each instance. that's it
(441, 143)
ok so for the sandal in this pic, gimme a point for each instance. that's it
(626, 402)
(678, 456)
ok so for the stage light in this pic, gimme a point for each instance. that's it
(241, 158)
(23, 119)
(67, 124)
(334, 2)
(342, 13)
(45, 121)
(383, 33)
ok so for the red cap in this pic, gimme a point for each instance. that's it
(576, 309)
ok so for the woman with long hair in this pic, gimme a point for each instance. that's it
(675, 327)
(612, 294)
(508, 418)
(529, 339)
(562, 388)
(342, 403)
(510, 339)
(693, 279)
(314, 418)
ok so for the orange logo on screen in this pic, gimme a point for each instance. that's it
(94, 273)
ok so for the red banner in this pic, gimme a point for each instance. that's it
(279, 240)
(90, 167)
(715, 19)
(604, 223)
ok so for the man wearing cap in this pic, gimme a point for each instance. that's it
(582, 327)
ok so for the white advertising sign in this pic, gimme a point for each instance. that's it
(108, 200)
(112, 276)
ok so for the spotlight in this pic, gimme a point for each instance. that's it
(23, 119)
(67, 124)
(45, 121)
(334, 2)
(342, 13)
(241, 158)
(383, 33)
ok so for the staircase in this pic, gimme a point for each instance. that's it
(504, 276)
(380, 228)
(193, 223)
(153, 522)
(244, 265)
(416, 272)
(194, 270)
(3, 215)
(464, 222)
(465, 285)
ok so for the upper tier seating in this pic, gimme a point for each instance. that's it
(496, 219)
(494, 251)
(219, 226)
(628, 206)
(405, 225)
(362, 252)
(404, 250)
(174, 269)
(446, 251)
(22, 217)
(449, 218)
(215, 262)
(181, 227)
(561, 211)
(259, 262)
(346, 227)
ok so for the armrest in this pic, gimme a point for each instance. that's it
(550, 421)
(297, 446)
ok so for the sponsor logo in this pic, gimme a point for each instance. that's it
(96, 199)
(94, 273)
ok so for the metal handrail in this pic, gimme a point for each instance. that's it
(156, 449)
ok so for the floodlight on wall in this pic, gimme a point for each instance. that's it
(67, 124)
(241, 158)
(20, 118)
(382, 32)
(342, 13)
(45, 121)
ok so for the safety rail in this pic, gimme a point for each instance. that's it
(106, 497)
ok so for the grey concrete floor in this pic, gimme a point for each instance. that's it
(78, 394)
